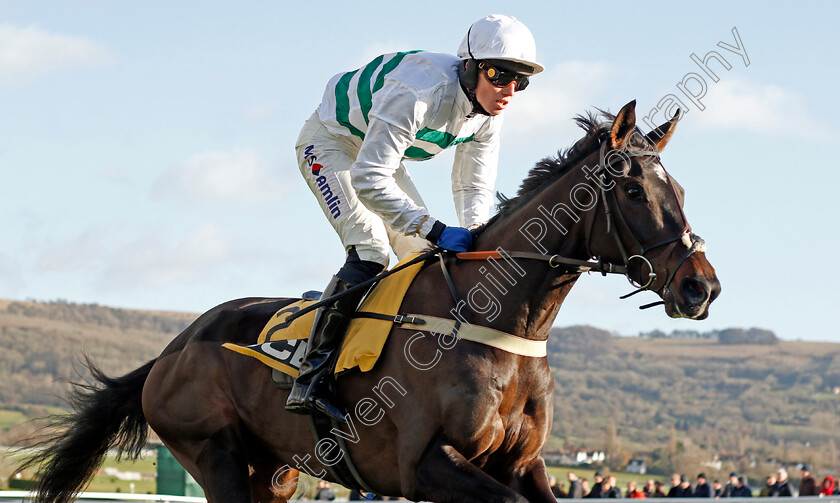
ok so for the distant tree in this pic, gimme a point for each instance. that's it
(671, 449)
(654, 334)
(741, 442)
(831, 454)
(751, 336)
(612, 446)
(686, 334)
(762, 336)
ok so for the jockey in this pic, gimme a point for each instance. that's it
(351, 152)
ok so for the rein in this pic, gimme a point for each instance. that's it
(556, 261)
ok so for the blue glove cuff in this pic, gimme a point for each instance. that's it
(437, 230)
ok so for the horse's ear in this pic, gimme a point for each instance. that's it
(624, 125)
(662, 135)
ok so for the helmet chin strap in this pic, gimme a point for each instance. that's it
(477, 108)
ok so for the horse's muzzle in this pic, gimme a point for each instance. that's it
(693, 297)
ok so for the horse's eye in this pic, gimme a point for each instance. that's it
(634, 192)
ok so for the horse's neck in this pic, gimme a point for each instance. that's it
(540, 290)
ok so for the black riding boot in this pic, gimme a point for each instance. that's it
(311, 393)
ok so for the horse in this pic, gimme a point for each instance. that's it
(438, 418)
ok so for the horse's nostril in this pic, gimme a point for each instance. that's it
(715, 291)
(694, 292)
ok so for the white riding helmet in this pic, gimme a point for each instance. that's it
(501, 37)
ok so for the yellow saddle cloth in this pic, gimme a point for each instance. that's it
(282, 345)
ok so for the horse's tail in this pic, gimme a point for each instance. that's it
(106, 414)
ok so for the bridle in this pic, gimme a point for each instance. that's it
(612, 211)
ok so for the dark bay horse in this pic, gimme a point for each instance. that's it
(437, 419)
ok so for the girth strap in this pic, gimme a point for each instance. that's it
(344, 471)
(453, 290)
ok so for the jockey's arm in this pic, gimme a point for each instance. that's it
(474, 175)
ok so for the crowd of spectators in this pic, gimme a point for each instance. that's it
(776, 484)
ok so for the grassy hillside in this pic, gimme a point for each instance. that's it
(42, 344)
(681, 401)
(676, 402)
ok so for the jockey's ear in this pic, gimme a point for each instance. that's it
(624, 126)
(660, 136)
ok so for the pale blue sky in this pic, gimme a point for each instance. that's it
(146, 148)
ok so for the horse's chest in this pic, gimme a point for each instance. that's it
(506, 414)
(515, 437)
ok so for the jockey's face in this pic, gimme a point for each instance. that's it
(492, 98)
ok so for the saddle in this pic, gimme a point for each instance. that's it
(282, 343)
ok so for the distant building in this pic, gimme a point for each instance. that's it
(559, 459)
(590, 458)
(574, 458)
(637, 466)
(114, 472)
(715, 464)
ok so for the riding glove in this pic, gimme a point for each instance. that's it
(455, 239)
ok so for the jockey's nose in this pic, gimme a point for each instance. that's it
(509, 89)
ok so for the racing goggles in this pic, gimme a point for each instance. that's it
(503, 78)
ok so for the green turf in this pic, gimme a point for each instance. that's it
(9, 418)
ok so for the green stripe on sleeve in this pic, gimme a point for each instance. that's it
(342, 103)
(463, 140)
(417, 153)
(441, 138)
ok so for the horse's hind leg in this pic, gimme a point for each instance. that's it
(202, 431)
(220, 465)
(444, 475)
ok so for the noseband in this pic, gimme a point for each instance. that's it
(612, 210)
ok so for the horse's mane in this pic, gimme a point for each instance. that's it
(596, 124)
(550, 168)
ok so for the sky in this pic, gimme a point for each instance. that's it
(147, 148)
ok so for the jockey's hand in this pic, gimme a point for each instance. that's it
(455, 239)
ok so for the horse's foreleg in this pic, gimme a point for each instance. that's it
(444, 475)
(271, 484)
(534, 483)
